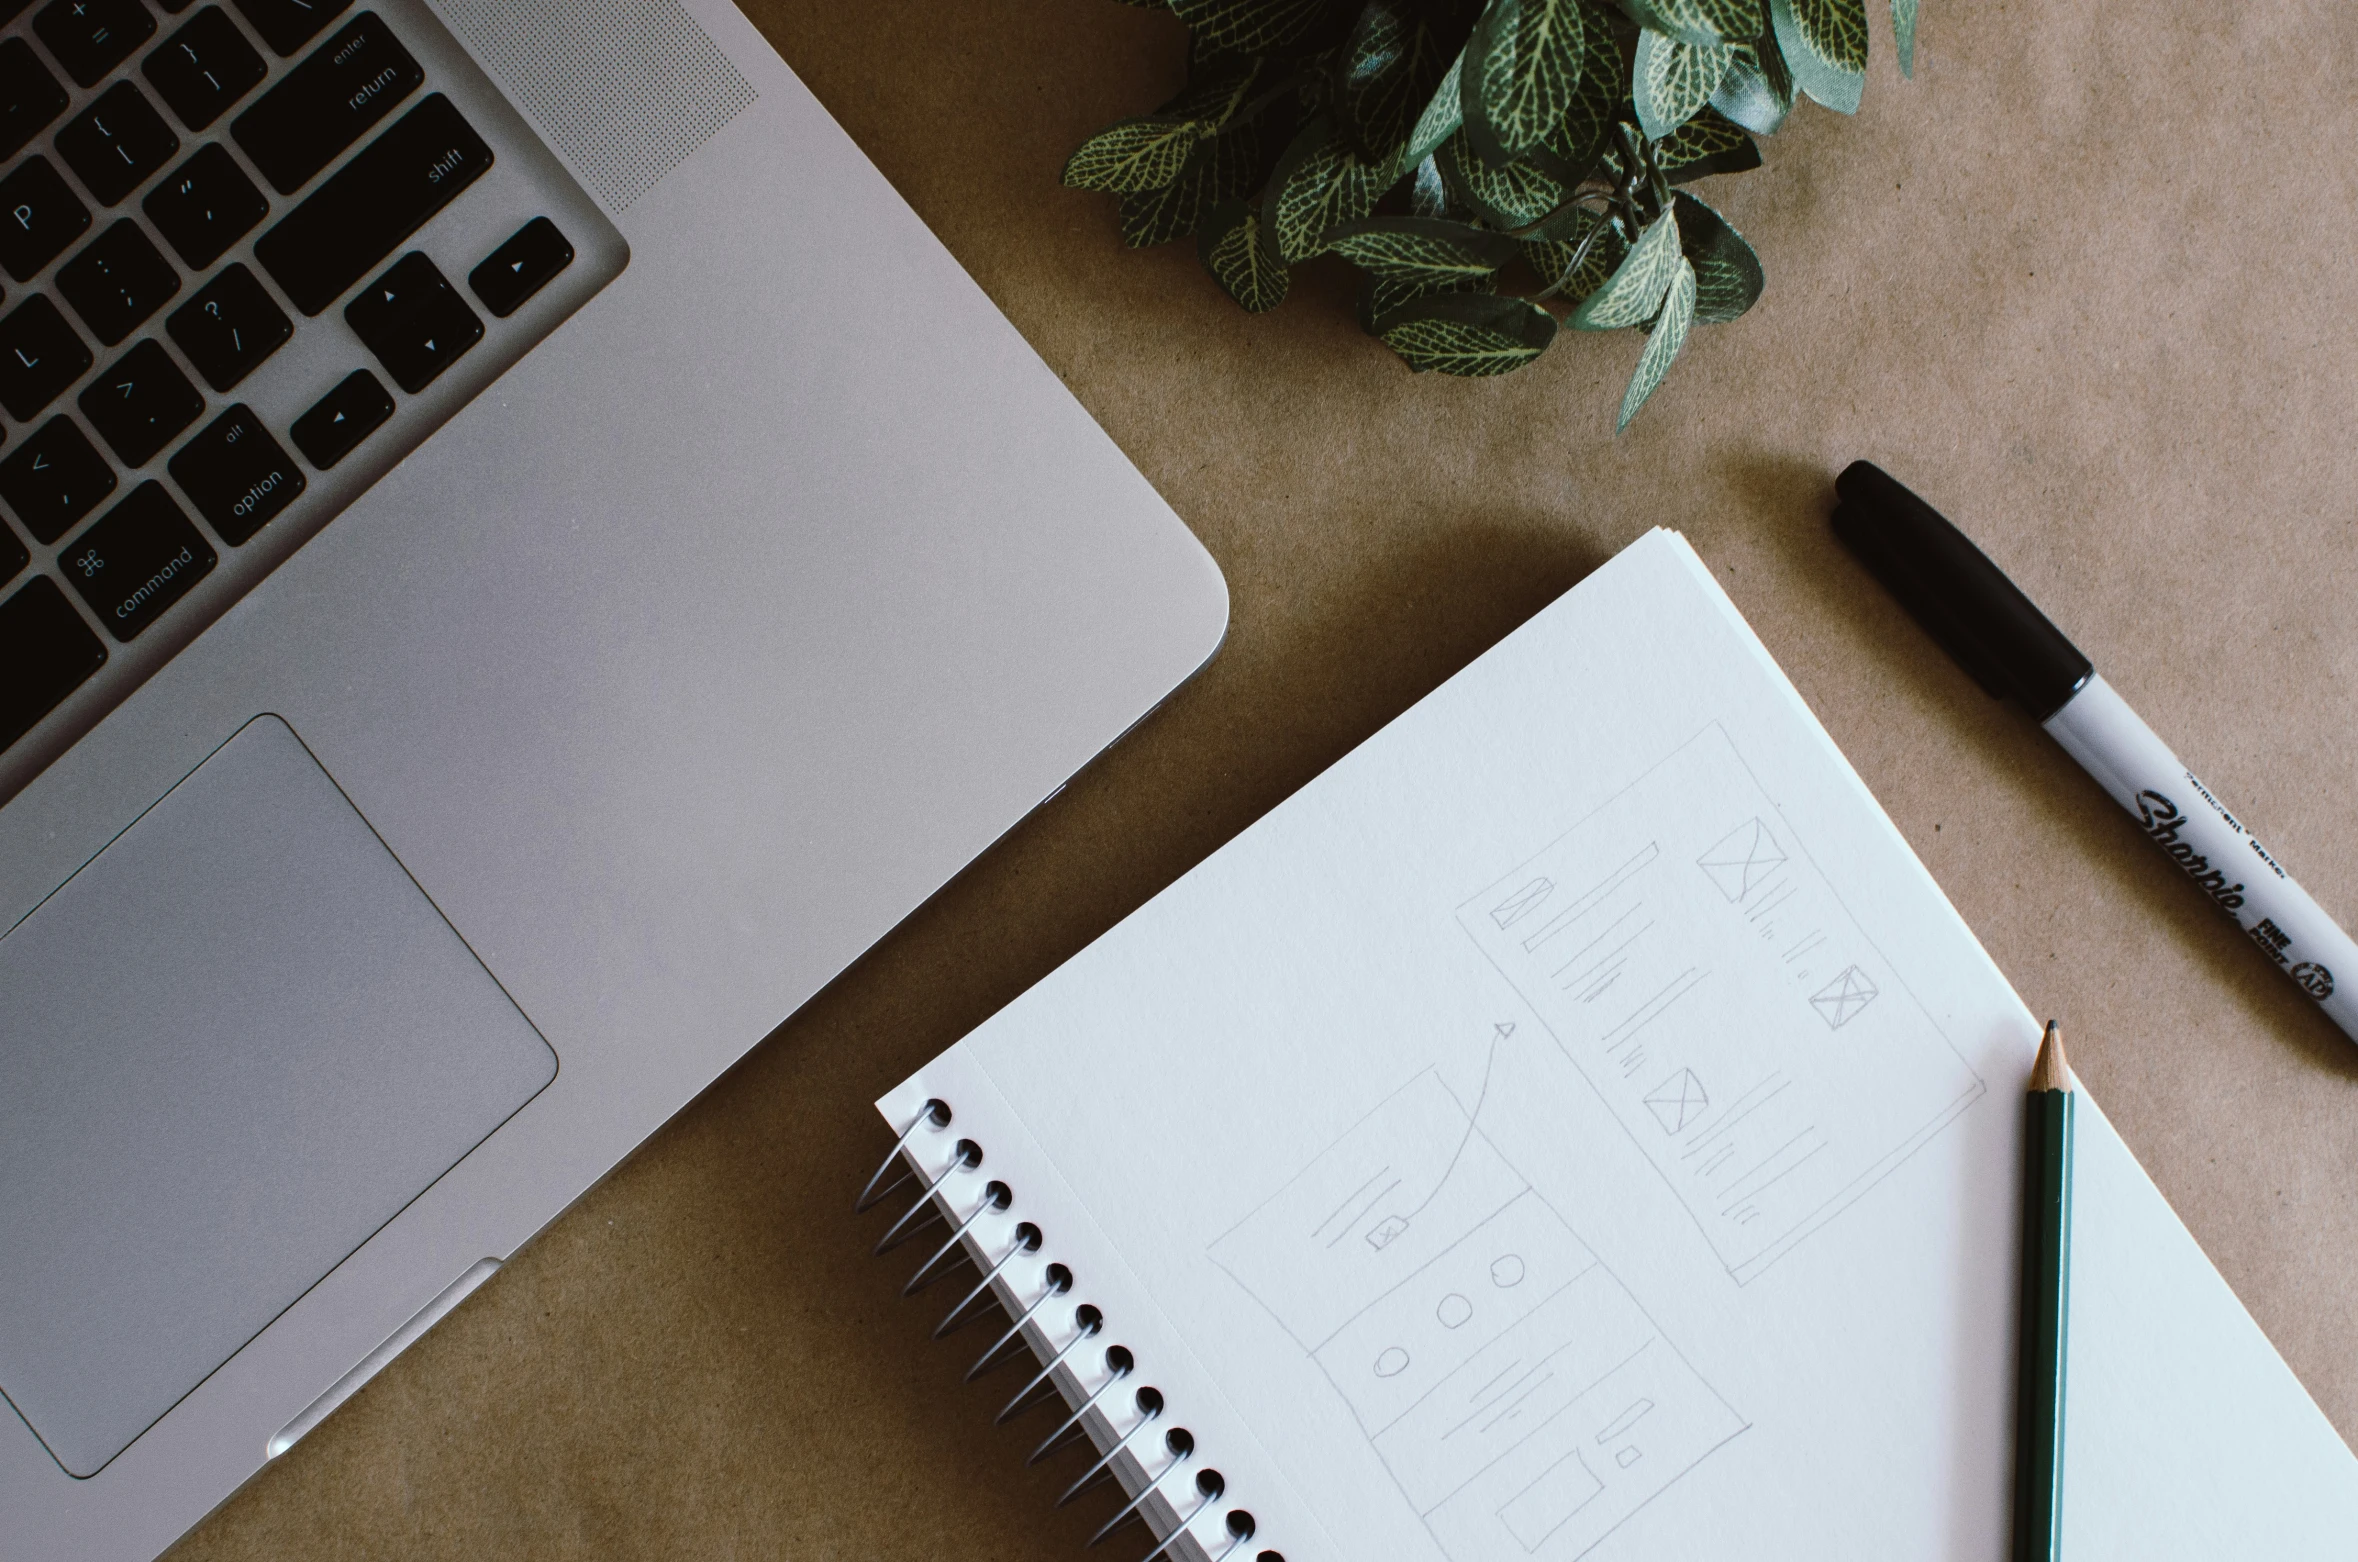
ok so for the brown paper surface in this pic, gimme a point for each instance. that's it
(2083, 282)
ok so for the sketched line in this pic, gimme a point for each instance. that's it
(1738, 1191)
(1705, 1138)
(1319, 1229)
(1574, 957)
(1363, 1209)
(1787, 1172)
(1653, 1008)
(1805, 948)
(1581, 907)
(1791, 889)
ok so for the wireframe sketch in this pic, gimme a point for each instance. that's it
(1519, 1395)
(1695, 965)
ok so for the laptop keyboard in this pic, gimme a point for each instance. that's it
(255, 252)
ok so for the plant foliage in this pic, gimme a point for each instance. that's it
(1495, 169)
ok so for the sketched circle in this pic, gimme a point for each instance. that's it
(1391, 1363)
(1507, 1271)
(1454, 1311)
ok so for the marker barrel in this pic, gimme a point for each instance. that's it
(2196, 831)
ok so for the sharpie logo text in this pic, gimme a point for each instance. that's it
(2163, 820)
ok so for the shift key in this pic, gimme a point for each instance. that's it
(362, 212)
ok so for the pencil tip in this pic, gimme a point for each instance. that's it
(2052, 1071)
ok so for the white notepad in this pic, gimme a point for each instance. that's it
(1576, 1126)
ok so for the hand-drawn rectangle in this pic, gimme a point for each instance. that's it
(1691, 960)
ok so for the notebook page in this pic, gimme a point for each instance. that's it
(1576, 1126)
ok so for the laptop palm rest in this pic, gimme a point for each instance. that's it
(232, 1047)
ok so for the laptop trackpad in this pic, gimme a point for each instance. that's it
(231, 1047)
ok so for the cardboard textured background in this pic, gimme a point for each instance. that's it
(2084, 283)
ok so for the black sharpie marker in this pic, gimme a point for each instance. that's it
(1983, 620)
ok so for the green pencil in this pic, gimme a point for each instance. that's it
(2046, 1305)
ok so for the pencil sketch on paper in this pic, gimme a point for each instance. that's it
(1514, 1388)
(1703, 975)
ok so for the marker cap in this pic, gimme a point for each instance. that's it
(1950, 587)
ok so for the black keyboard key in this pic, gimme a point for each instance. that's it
(414, 321)
(140, 403)
(46, 651)
(13, 556)
(91, 37)
(56, 479)
(229, 326)
(287, 25)
(29, 96)
(237, 475)
(39, 217)
(137, 560)
(39, 356)
(326, 103)
(344, 417)
(204, 206)
(115, 143)
(116, 283)
(364, 209)
(204, 67)
(521, 267)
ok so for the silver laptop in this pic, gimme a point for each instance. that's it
(520, 558)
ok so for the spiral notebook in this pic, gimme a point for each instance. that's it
(1574, 1126)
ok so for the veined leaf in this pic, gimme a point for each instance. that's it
(1234, 247)
(1521, 73)
(1634, 292)
(1222, 169)
(1710, 143)
(1421, 248)
(1136, 154)
(1514, 196)
(1215, 90)
(1578, 264)
(1728, 277)
(1700, 21)
(1903, 24)
(1321, 181)
(1824, 43)
(1672, 80)
(1250, 26)
(1428, 196)
(1390, 67)
(1757, 91)
(1570, 151)
(1468, 333)
(1669, 335)
(1380, 296)
(1444, 113)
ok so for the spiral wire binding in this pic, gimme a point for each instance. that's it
(1117, 1362)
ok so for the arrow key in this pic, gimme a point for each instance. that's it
(414, 321)
(521, 267)
(343, 418)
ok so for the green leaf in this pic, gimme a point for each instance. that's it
(1710, 143)
(1700, 21)
(1380, 296)
(1216, 88)
(1250, 26)
(1757, 91)
(1391, 65)
(1515, 196)
(1578, 264)
(1634, 292)
(1522, 73)
(1137, 154)
(1421, 248)
(1570, 151)
(1468, 333)
(1444, 113)
(1672, 80)
(1903, 23)
(1321, 181)
(1824, 43)
(1235, 249)
(1428, 196)
(1669, 335)
(1728, 277)
(1222, 168)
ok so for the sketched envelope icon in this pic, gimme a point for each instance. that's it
(1742, 858)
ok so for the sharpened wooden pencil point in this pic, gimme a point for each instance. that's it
(2052, 1071)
